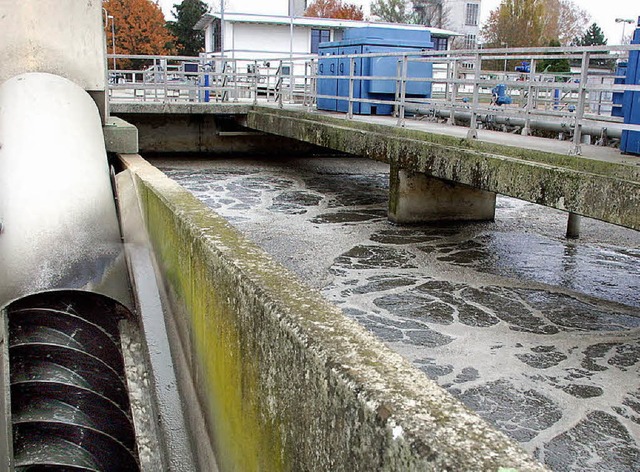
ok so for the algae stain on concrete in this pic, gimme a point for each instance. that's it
(229, 378)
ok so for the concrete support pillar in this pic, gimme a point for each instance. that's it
(415, 197)
(573, 226)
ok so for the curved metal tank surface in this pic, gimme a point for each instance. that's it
(57, 213)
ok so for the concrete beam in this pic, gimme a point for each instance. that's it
(415, 197)
(207, 132)
(120, 136)
(147, 108)
(594, 188)
(286, 381)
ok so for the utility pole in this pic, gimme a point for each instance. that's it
(222, 28)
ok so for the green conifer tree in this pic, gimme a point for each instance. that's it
(187, 13)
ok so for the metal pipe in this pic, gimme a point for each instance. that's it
(590, 129)
(113, 39)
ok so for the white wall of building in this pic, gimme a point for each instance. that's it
(274, 38)
(266, 7)
(461, 19)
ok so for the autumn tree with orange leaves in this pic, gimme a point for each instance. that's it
(334, 9)
(140, 28)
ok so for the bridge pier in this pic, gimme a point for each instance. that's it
(573, 226)
(415, 197)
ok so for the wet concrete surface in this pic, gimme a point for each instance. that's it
(538, 334)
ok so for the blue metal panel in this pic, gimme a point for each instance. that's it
(327, 82)
(371, 40)
(630, 141)
(390, 36)
(388, 67)
(621, 72)
(343, 84)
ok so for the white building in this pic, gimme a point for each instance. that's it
(463, 16)
(249, 36)
(270, 7)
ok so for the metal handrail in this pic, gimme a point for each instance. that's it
(578, 103)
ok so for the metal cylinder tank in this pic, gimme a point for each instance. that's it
(59, 228)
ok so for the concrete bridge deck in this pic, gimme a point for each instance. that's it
(601, 183)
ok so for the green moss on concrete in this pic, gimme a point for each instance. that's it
(228, 374)
(287, 382)
(610, 169)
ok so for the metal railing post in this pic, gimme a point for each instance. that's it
(582, 100)
(165, 80)
(530, 103)
(155, 88)
(255, 82)
(403, 89)
(235, 80)
(292, 80)
(314, 83)
(454, 93)
(446, 83)
(279, 82)
(396, 99)
(473, 125)
(352, 67)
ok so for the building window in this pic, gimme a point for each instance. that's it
(216, 38)
(473, 11)
(470, 41)
(318, 36)
(439, 44)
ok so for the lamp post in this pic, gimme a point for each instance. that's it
(113, 39)
(624, 22)
(291, 31)
(222, 28)
(505, 59)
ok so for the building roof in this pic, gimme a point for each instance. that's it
(309, 21)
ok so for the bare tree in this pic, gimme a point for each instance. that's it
(393, 11)
(534, 23)
(430, 12)
(424, 12)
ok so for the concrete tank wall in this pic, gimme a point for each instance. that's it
(198, 132)
(285, 380)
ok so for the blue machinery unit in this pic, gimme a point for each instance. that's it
(630, 141)
(621, 73)
(370, 40)
(499, 95)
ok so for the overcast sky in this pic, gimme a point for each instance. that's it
(603, 12)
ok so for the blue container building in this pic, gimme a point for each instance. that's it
(630, 141)
(621, 74)
(369, 40)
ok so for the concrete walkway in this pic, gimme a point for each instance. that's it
(601, 184)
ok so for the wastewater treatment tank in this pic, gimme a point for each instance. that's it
(368, 40)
